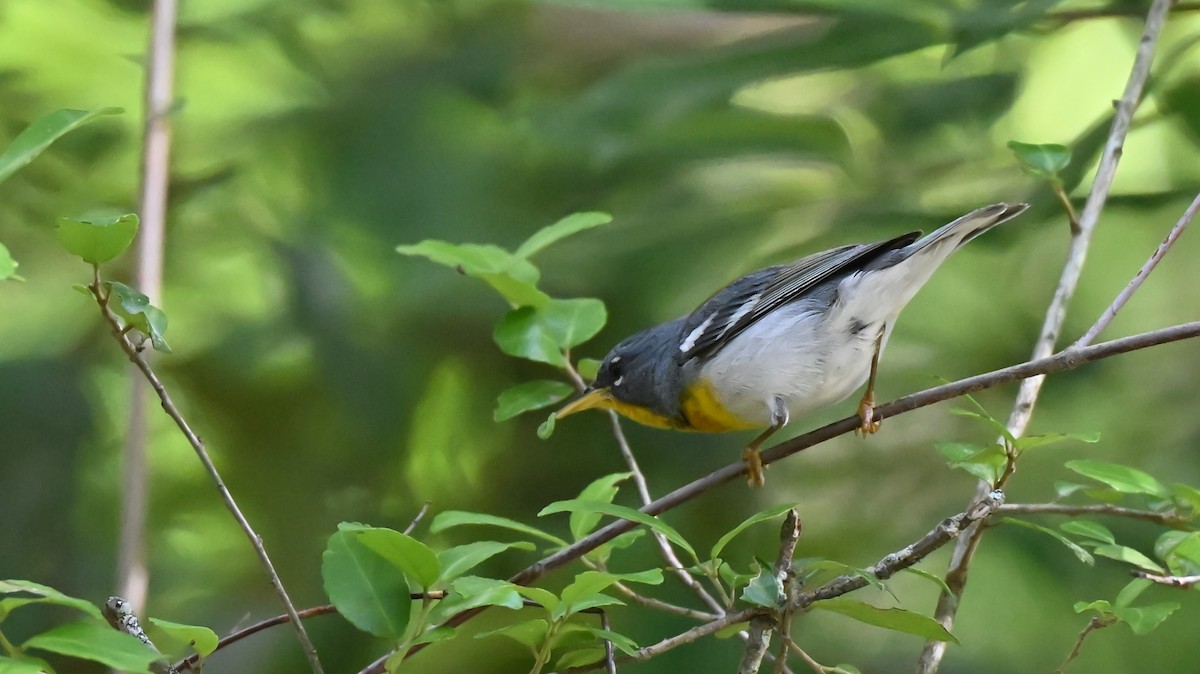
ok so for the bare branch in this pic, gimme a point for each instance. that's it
(168, 405)
(1173, 581)
(1170, 518)
(1094, 624)
(1111, 312)
(417, 519)
(666, 607)
(759, 639)
(964, 549)
(190, 661)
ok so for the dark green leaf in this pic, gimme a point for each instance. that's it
(462, 558)
(1127, 555)
(580, 657)
(1088, 529)
(8, 266)
(201, 639)
(531, 633)
(895, 619)
(368, 590)
(97, 643)
(619, 641)
(44, 595)
(97, 239)
(572, 224)
(412, 557)
(41, 133)
(1041, 161)
(764, 590)
(761, 516)
(458, 518)
(602, 489)
(530, 395)
(1122, 478)
(1083, 555)
(622, 512)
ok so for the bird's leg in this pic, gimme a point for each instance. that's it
(754, 464)
(866, 406)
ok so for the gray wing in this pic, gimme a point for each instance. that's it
(742, 303)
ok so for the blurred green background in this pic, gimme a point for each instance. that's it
(336, 380)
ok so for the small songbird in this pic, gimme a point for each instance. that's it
(778, 343)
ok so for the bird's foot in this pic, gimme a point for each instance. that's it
(754, 467)
(868, 423)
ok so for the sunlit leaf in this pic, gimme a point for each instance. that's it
(368, 590)
(761, 516)
(602, 489)
(202, 639)
(1132, 590)
(97, 643)
(1083, 555)
(1122, 478)
(8, 266)
(896, 619)
(1188, 495)
(984, 462)
(412, 557)
(538, 595)
(1028, 442)
(622, 512)
(1141, 620)
(41, 133)
(457, 518)
(1128, 555)
(97, 239)
(572, 224)
(44, 594)
(1088, 529)
(514, 278)
(459, 559)
(619, 641)
(530, 395)
(522, 333)
(546, 428)
(588, 368)
(468, 592)
(588, 583)
(1042, 161)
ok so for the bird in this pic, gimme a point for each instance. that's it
(779, 343)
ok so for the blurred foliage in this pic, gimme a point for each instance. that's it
(336, 381)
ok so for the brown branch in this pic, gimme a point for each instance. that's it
(190, 661)
(1059, 362)
(660, 605)
(964, 550)
(1094, 624)
(1173, 581)
(168, 405)
(1170, 518)
(1111, 312)
(759, 639)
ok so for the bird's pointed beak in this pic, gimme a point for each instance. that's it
(591, 398)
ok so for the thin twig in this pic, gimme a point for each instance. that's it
(610, 662)
(760, 628)
(964, 550)
(1173, 581)
(1059, 362)
(190, 661)
(1094, 624)
(172, 411)
(660, 605)
(1111, 312)
(806, 658)
(1170, 518)
(417, 519)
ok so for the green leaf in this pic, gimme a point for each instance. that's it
(458, 518)
(985, 463)
(1132, 590)
(588, 368)
(97, 643)
(1180, 550)
(1064, 489)
(1127, 555)
(41, 133)
(135, 309)
(462, 558)
(1083, 555)
(1187, 495)
(991, 422)
(1042, 161)
(97, 239)
(540, 596)
(764, 590)
(436, 634)
(368, 590)
(531, 633)
(1122, 478)
(602, 489)
(845, 669)
(1029, 442)
(931, 577)
(8, 266)
(201, 639)
(541, 333)
(470, 592)
(761, 516)
(412, 557)
(896, 619)
(24, 665)
(530, 395)
(619, 641)
(588, 583)
(622, 512)
(514, 278)
(580, 657)
(44, 595)
(572, 224)
(1088, 529)
(601, 553)
(1141, 620)
(546, 428)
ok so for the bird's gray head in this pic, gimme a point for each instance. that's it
(640, 378)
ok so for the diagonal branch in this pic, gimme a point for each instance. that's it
(964, 549)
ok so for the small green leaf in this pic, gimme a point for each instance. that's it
(588, 368)
(546, 428)
(601, 554)
(985, 463)
(23, 665)
(764, 590)
(541, 333)
(470, 592)
(580, 657)
(931, 577)
(761, 516)
(1128, 555)
(436, 634)
(530, 633)
(991, 422)
(367, 589)
(1029, 442)
(462, 558)
(1088, 529)
(845, 669)
(412, 557)
(572, 224)
(458, 518)
(895, 619)
(1064, 489)
(1187, 495)
(514, 278)
(530, 395)
(97, 239)
(1122, 478)
(41, 133)
(619, 641)
(201, 639)
(1132, 590)
(1141, 620)
(8, 266)
(622, 512)
(1083, 555)
(135, 310)
(602, 489)
(1180, 550)
(540, 596)
(1041, 161)
(90, 641)
(44, 595)
(588, 583)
